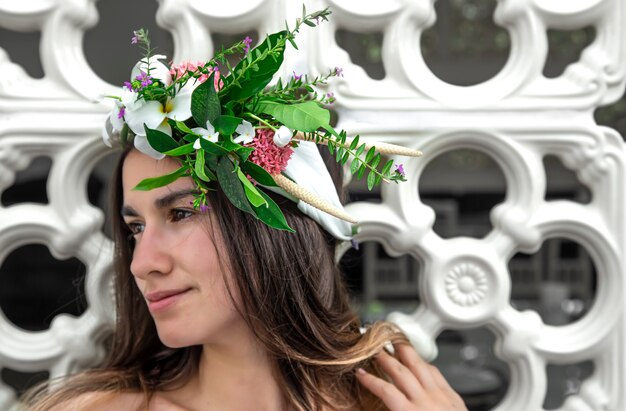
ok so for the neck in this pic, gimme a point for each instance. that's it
(236, 375)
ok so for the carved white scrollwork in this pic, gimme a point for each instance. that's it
(517, 117)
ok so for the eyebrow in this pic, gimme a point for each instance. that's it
(161, 202)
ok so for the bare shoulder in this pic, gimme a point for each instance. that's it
(103, 401)
(128, 401)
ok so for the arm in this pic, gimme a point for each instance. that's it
(417, 385)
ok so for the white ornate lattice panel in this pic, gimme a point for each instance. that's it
(516, 118)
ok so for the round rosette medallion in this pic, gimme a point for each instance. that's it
(469, 289)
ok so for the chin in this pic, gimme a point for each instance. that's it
(176, 338)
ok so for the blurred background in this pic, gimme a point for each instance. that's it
(463, 48)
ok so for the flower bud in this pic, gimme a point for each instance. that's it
(282, 137)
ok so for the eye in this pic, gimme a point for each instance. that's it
(179, 214)
(135, 227)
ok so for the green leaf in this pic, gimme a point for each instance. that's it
(354, 166)
(361, 171)
(230, 184)
(156, 182)
(306, 117)
(375, 160)
(244, 152)
(212, 148)
(211, 163)
(205, 104)
(331, 148)
(160, 141)
(258, 173)
(387, 167)
(272, 215)
(360, 150)
(226, 125)
(199, 166)
(354, 143)
(252, 193)
(229, 144)
(371, 179)
(253, 81)
(378, 179)
(345, 157)
(183, 127)
(370, 154)
(124, 134)
(340, 151)
(180, 151)
(191, 138)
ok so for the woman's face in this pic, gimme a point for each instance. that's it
(175, 261)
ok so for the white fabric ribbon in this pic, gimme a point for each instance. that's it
(306, 167)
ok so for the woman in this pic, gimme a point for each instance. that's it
(228, 296)
(208, 321)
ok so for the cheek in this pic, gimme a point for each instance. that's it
(141, 284)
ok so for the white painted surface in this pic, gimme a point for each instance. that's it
(517, 117)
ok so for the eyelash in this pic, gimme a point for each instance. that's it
(173, 214)
(137, 228)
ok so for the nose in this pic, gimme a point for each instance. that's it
(151, 254)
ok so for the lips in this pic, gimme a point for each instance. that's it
(159, 300)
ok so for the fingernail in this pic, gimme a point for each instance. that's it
(360, 371)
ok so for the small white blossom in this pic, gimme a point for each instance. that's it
(246, 133)
(207, 133)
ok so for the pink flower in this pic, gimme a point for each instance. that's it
(268, 155)
(247, 42)
(179, 70)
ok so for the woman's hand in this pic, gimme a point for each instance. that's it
(417, 385)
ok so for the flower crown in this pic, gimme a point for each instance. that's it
(238, 130)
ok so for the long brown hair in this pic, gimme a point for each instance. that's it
(291, 295)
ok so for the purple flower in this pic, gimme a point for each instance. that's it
(204, 208)
(247, 41)
(338, 72)
(128, 85)
(145, 79)
(317, 20)
(296, 77)
(121, 113)
(136, 37)
(400, 169)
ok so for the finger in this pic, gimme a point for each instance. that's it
(401, 376)
(387, 392)
(420, 368)
(429, 375)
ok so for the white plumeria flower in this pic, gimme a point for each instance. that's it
(282, 136)
(154, 114)
(246, 133)
(207, 133)
(142, 144)
(129, 99)
(158, 70)
(113, 124)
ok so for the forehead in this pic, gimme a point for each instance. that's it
(138, 166)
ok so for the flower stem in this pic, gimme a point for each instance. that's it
(260, 120)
